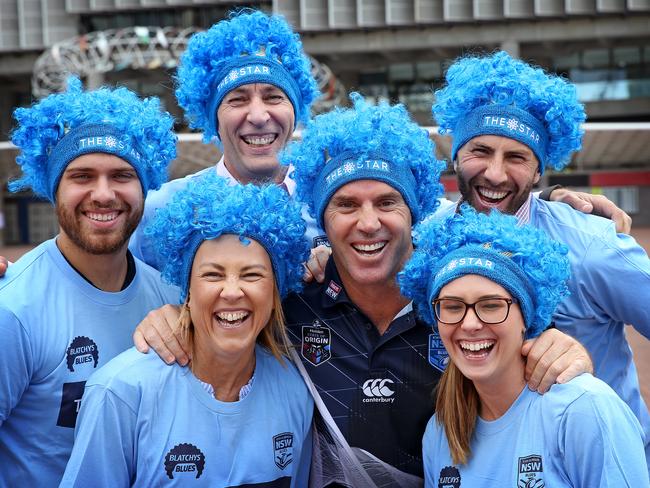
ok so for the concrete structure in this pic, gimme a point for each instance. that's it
(395, 49)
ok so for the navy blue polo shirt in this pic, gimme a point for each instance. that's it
(378, 388)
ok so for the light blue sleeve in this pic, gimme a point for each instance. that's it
(430, 441)
(302, 472)
(600, 443)
(616, 275)
(103, 454)
(16, 362)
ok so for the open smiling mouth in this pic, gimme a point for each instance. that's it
(476, 350)
(491, 196)
(261, 140)
(102, 217)
(230, 320)
(370, 249)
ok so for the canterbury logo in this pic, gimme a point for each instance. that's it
(378, 388)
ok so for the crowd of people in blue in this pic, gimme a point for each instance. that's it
(314, 313)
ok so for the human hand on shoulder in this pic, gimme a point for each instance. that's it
(156, 331)
(554, 357)
(315, 267)
(595, 204)
(4, 264)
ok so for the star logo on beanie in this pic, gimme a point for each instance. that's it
(111, 141)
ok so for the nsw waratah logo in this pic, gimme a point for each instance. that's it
(184, 458)
(283, 449)
(82, 350)
(378, 390)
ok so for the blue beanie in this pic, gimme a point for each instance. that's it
(499, 95)
(249, 47)
(62, 127)
(209, 208)
(522, 259)
(366, 142)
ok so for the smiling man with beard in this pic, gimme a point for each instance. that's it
(71, 304)
(509, 121)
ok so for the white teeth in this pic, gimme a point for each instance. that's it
(369, 247)
(494, 195)
(259, 140)
(476, 346)
(101, 217)
(232, 316)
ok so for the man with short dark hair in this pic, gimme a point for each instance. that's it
(71, 304)
(514, 121)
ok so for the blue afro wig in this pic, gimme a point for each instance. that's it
(41, 127)
(366, 131)
(498, 79)
(209, 208)
(246, 33)
(542, 261)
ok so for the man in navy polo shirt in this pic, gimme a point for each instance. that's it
(368, 174)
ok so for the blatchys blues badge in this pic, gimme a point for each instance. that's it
(438, 357)
(316, 344)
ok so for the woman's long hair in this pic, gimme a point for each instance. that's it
(457, 404)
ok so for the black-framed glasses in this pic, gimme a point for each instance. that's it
(452, 311)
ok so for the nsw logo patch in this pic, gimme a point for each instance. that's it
(333, 290)
(184, 459)
(531, 472)
(438, 357)
(316, 344)
(82, 350)
(283, 449)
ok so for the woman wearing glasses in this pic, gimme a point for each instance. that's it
(489, 285)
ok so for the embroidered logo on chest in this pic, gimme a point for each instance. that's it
(438, 357)
(449, 477)
(184, 460)
(283, 449)
(531, 473)
(82, 350)
(316, 344)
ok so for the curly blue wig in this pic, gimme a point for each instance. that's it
(378, 142)
(63, 126)
(249, 47)
(515, 100)
(210, 208)
(524, 260)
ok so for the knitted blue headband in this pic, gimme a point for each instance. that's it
(494, 265)
(93, 138)
(502, 120)
(350, 166)
(198, 238)
(251, 69)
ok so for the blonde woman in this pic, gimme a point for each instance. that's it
(239, 415)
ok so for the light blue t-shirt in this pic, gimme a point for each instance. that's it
(144, 423)
(142, 247)
(579, 435)
(609, 286)
(56, 330)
